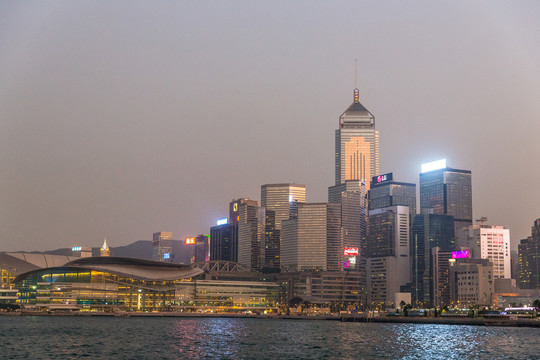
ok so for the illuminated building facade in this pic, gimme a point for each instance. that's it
(104, 250)
(446, 191)
(529, 259)
(103, 283)
(357, 144)
(280, 202)
(162, 246)
(311, 240)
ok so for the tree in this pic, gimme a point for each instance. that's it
(536, 303)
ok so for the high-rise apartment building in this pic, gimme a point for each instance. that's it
(280, 202)
(446, 191)
(311, 240)
(162, 246)
(357, 144)
(529, 259)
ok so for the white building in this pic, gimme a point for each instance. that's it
(493, 243)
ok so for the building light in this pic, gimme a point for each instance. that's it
(222, 221)
(434, 165)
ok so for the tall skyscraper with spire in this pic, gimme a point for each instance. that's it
(357, 144)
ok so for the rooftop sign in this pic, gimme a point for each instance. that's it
(381, 178)
(434, 165)
(222, 221)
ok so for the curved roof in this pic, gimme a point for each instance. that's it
(133, 268)
(19, 263)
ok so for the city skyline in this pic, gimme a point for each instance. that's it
(111, 130)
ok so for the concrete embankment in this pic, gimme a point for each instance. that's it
(500, 321)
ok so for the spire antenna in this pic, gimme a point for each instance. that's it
(356, 94)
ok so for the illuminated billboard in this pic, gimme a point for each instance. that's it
(222, 221)
(166, 255)
(189, 241)
(463, 254)
(381, 178)
(434, 165)
(350, 251)
(76, 248)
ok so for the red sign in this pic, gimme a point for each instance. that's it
(350, 251)
(189, 241)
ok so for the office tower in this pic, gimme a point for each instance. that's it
(471, 282)
(202, 248)
(104, 251)
(311, 239)
(428, 231)
(351, 195)
(357, 144)
(440, 261)
(245, 213)
(162, 246)
(385, 192)
(493, 243)
(388, 248)
(280, 202)
(446, 191)
(224, 242)
(529, 259)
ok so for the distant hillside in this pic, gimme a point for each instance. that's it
(140, 249)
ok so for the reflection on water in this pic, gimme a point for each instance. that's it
(207, 338)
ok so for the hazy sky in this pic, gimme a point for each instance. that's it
(121, 119)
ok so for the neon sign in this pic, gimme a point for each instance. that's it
(350, 251)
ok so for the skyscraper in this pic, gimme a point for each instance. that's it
(428, 231)
(357, 144)
(385, 192)
(529, 259)
(493, 243)
(311, 239)
(446, 191)
(245, 213)
(280, 202)
(224, 242)
(162, 246)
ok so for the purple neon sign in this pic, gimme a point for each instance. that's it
(463, 254)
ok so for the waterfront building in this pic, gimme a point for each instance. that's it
(428, 231)
(339, 289)
(447, 191)
(529, 259)
(388, 249)
(280, 203)
(103, 283)
(471, 282)
(440, 261)
(202, 248)
(357, 144)
(311, 240)
(493, 243)
(104, 250)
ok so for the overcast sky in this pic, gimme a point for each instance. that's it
(121, 119)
